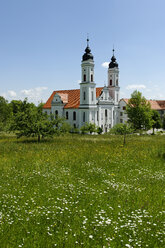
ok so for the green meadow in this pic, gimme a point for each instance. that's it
(82, 191)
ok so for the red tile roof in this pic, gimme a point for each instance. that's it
(155, 104)
(71, 98)
(161, 104)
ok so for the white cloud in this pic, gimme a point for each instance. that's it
(135, 86)
(105, 64)
(12, 93)
(34, 94)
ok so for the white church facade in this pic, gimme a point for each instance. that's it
(101, 106)
(89, 103)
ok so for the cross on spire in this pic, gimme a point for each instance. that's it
(87, 39)
(113, 50)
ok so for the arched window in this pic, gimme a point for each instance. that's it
(92, 96)
(110, 82)
(117, 97)
(105, 112)
(92, 78)
(83, 116)
(67, 115)
(84, 77)
(84, 95)
(74, 115)
(56, 113)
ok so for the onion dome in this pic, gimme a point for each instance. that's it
(113, 62)
(87, 55)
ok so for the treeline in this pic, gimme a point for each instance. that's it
(27, 119)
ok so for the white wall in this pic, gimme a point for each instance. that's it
(123, 118)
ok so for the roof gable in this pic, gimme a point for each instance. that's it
(71, 98)
(155, 104)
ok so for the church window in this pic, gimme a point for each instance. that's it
(121, 113)
(110, 82)
(74, 125)
(92, 78)
(92, 95)
(56, 113)
(116, 82)
(84, 96)
(121, 120)
(106, 113)
(83, 116)
(74, 115)
(109, 125)
(124, 108)
(84, 77)
(67, 115)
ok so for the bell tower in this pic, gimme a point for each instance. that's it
(87, 85)
(113, 79)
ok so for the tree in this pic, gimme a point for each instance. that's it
(65, 127)
(99, 130)
(122, 129)
(83, 129)
(88, 128)
(156, 120)
(30, 121)
(5, 114)
(139, 112)
(163, 122)
(15, 106)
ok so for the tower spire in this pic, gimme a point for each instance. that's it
(87, 55)
(87, 40)
(113, 50)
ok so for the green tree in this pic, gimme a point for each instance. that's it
(83, 129)
(5, 114)
(139, 112)
(99, 130)
(122, 129)
(156, 120)
(88, 128)
(163, 122)
(30, 121)
(65, 127)
(15, 106)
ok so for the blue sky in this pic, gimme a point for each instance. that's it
(42, 43)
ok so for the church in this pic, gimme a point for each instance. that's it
(88, 103)
(101, 106)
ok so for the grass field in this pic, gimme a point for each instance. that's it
(82, 191)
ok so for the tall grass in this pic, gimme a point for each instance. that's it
(82, 191)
